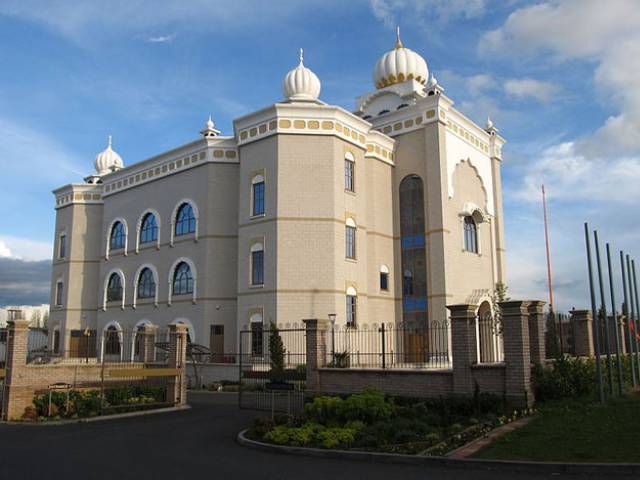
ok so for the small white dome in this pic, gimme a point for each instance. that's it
(108, 160)
(399, 65)
(301, 83)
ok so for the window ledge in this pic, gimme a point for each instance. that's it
(258, 286)
(351, 260)
(255, 217)
(350, 192)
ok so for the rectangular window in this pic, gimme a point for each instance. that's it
(256, 338)
(350, 242)
(258, 198)
(349, 170)
(351, 310)
(62, 246)
(59, 293)
(257, 267)
(384, 281)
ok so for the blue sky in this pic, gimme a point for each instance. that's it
(560, 79)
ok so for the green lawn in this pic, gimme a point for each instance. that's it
(575, 431)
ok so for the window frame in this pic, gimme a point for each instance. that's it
(258, 187)
(350, 244)
(155, 229)
(349, 173)
(351, 310)
(118, 227)
(59, 297)
(139, 284)
(115, 289)
(191, 220)
(62, 246)
(257, 260)
(470, 237)
(189, 281)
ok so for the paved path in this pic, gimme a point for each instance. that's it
(198, 443)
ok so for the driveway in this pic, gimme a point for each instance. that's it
(197, 443)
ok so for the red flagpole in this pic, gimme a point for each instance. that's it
(546, 239)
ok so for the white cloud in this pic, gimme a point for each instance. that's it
(607, 35)
(530, 88)
(161, 39)
(389, 11)
(5, 252)
(24, 248)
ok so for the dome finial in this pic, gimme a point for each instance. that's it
(301, 56)
(109, 139)
(209, 129)
(398, 41)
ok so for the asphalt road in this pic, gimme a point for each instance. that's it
(197, 443)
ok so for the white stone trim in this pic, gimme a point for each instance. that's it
(105, 286)
(196, 213)
(188, 324)
(352, 292)
(139, 227)
(256, 318)
(194, 272)
(384, 269)
(136, 280)
(126, 236)
(112, 323)
(350, 222)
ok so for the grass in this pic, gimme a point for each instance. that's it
(575, 431)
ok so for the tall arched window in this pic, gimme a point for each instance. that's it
(257, 195)
(114, 288)
(149, 229)
(257, 264)
(349, 172)
(350, 239)
(146, 284)
(470, 234)
(118, 236)
(352, 304)
(185, 220)
(182, 279)
(413, 250)
(112, 341)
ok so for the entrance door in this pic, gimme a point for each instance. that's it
(216, 344)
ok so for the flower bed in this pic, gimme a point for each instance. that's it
(91, 403)
(369, 421)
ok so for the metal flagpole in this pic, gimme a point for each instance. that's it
(634, 324)
(627, 314)
(605, 318)
(546, 240)
(635, 290)
(596, 323)
(615, 322)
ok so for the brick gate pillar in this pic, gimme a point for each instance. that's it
(316, 336)
(464, 347)
(517, 356)
(536, 331)
(582, 332)
(177, 385)
(147, 343)
(16, 398)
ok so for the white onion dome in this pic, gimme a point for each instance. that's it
(108, 160)
(399, 65)
(301, 83)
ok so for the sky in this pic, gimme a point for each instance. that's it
(559, 78)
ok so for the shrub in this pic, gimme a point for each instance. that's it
(324, 410)
(569, 378)
(30, 414)
(367, 406)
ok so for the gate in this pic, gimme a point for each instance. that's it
(272, 369)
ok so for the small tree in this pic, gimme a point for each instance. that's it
(499, 295)
(276, 351)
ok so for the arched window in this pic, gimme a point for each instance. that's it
(182, 279)
(118, 236)
(349, 172)
(149, 229)
(257, 337)
(384, 278)
(114, 288)
(146, 284)
(257, 195)
(112, 341)
(185, 220)
(352, 303)
(470, 234)
(257, 264)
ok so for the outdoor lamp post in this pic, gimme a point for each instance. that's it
(332, 319)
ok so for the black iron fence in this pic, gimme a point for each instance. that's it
(559, 334)
(390, 345)
(490, 339)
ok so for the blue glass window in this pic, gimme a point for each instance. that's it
(470, 235)
(149, 229)
(258, 198)
(182, 279)
(118, 236)
(185, 220)
(257, 267)
(146, 284)
(114, 288)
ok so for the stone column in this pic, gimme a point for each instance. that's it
(464, 347)
(147, 343)
(620, 332)
(517, 356)
(316, 336)
(582, 332)
(177, 385)
(16, 398)
(536, 332)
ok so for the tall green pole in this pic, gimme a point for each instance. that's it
(605, 317)
(615, 322)
(634, 324)
(627, 314)
(596, 323)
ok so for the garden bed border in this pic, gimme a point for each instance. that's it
(608, 469)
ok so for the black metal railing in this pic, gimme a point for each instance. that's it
(490, 340)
